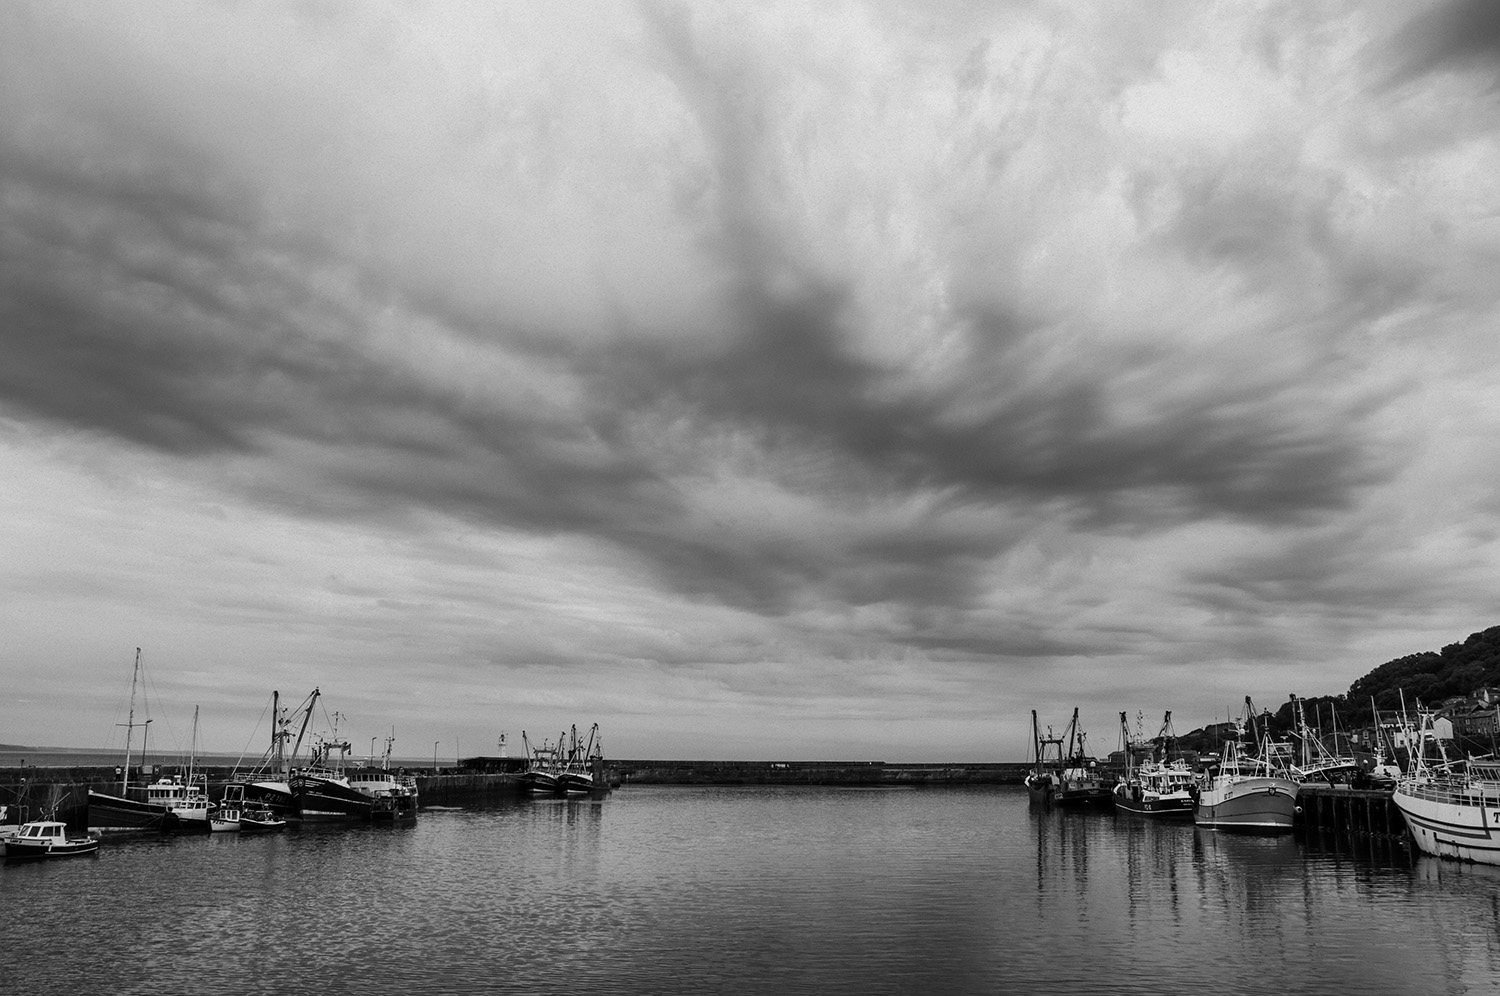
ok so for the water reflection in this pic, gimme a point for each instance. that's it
(752, 890)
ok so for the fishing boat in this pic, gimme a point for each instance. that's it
(1249, 790)
(1079, 782)
(321, 792)
(225, 818)
(393, 794)
(268, 784)
(1154, 787)
(578, 768)
(168, 803)
(1452, 807)
(543, 766)
(1316, 763)
(1047, 757)
(49, 839)
(246, 816)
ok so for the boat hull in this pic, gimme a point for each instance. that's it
(21, 850)
(321, 800)
(539, 782)
(1446, 828)
(1156, 807)
(1082, 794)
(1039, 788)
(261, 821)
(275, 796)
(113, 812)
(1249, 805)
(574, 783)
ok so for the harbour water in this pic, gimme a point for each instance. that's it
(678, 889)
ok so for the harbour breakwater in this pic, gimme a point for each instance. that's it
(66, 787)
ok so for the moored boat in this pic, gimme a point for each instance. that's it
(268, 785)
(1155, 787)
(1316, 763)
(259, 819)
(49, 839)
(543, 766)
(321, 792)
(1080, 784)
(1047, 762)
(1248, 791)
(393, 794)
(168, 803)
(1452, 808)
(577, 771)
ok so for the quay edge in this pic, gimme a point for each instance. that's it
(37, 786)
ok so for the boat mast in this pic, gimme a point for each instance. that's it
(277, 740)
(306, 718)
(193, 755)
(1125, 743)
(130, 725)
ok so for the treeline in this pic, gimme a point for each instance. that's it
(1429, 677)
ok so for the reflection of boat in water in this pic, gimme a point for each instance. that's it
(1452, 808)
(1154, 788)
(1252, 792)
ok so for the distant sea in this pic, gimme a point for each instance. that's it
(15, 756)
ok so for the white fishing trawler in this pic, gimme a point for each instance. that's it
(1452, 808)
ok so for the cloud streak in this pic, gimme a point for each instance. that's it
(749, 367)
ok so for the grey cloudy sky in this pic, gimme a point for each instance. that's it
(756, 380)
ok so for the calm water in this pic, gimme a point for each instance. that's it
(749, 890)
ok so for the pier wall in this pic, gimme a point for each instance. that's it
(1349, 812)
(869, 773)
(39, 788)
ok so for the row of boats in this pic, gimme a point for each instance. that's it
(1451, 805)
(1251, 787)
(320, 787)
(323, 787)
(573, 765)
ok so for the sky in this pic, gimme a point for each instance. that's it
(755, 380)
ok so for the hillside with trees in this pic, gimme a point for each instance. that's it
(1430, 677)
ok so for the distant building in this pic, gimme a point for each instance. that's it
(1480, 721)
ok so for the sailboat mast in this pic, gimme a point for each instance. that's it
(130, 723)
(193, 757)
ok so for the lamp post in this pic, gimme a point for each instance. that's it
(434, 755)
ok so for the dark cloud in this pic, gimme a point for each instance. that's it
(1454, 35)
